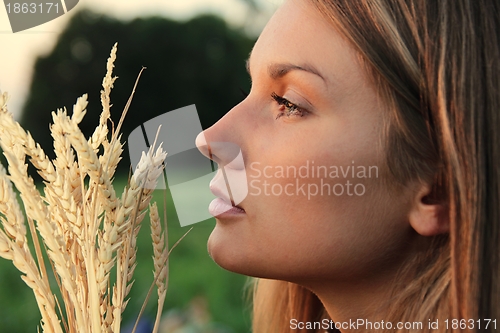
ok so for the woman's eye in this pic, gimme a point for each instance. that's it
(287, 108)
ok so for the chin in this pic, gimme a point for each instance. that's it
(235, 255)
(231, 255)
(223, 253)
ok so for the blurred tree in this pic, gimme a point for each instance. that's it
(201, 61)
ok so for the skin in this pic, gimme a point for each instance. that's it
(345, 248)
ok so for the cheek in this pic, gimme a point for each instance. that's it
(329, 235)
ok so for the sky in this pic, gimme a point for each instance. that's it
(18, 51)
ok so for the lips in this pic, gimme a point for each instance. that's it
(219, 207)
(223, 204)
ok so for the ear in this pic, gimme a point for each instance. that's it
(428, 216)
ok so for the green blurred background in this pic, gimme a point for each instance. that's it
(197, 61)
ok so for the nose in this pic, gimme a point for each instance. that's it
(203, 146)
(220, 142)
(224, 153)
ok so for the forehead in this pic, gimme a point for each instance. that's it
(299, 34)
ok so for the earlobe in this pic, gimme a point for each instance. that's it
(428, 217)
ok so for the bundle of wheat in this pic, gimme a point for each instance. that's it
(85, 229)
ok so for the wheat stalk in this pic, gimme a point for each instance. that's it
(85, 228)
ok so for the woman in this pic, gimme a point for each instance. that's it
(370, 146)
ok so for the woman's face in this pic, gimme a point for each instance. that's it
(310, 133)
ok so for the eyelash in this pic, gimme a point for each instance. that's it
(290, 108)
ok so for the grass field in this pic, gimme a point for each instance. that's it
(195, 282)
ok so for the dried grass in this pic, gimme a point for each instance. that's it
(86, 230)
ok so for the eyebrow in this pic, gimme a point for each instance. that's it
(278, 70)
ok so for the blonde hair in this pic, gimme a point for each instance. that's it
(437, 65)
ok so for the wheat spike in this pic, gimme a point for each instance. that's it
(160, 256)
(86, 230)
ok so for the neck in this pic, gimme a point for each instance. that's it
(362, 304)
(352, 306)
